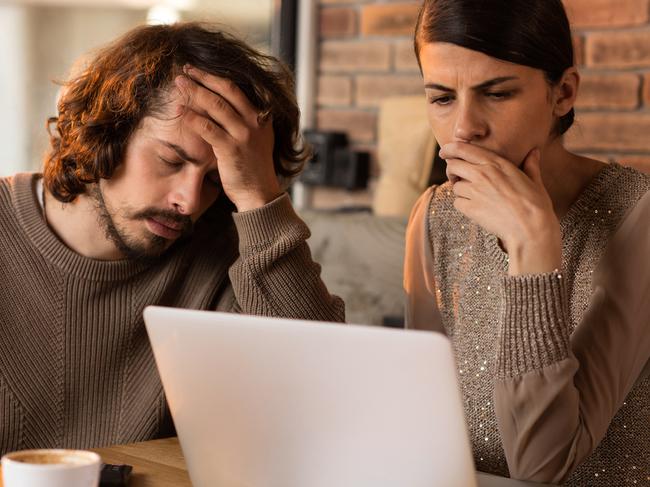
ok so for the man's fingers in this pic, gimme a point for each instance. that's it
(206, 128)
(212, 105)
(226, 88)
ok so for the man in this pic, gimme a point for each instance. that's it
(161, 187)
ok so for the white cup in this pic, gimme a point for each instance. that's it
(51, 468)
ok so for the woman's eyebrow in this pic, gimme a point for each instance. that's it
(486, 84)
(492, 82)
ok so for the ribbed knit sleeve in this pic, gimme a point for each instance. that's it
(275, 274)
(535, 326)
(555, 396)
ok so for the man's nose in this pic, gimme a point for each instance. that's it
(470, 125)
(185, 197)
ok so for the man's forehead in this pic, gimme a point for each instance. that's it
(167, 127)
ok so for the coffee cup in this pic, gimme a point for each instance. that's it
(51, 468)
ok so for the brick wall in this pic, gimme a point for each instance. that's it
(366, 54)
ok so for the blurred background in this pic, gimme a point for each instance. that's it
(361, 95)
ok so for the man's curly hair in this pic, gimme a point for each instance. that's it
(102, 106)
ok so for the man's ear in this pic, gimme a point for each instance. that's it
(565, 92)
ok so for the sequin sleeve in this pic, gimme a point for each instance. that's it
(556, 393)
(419, 283)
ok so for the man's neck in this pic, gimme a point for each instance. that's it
(566, 175)
(78, 226)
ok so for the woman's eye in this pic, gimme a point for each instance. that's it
(499, 95)
(441, 100)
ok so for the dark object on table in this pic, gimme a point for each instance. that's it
(114, 475)
(334, 163)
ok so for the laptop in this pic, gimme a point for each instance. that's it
(266, 402)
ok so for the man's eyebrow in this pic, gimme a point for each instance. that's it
(486, 84)
(179, 150)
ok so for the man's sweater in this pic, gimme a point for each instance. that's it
(76, 368)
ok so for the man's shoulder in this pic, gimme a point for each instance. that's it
(16, 185)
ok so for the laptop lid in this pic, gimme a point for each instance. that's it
(271, 402)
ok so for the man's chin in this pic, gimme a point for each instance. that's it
(152, 249)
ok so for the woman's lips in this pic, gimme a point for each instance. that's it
(164, 228)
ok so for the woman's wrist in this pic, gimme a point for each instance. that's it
(540, 253)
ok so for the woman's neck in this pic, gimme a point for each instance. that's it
(566, 175)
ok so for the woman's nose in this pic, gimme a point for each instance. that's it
(469, 125)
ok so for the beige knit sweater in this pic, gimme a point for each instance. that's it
(76, 368)
(553, 368)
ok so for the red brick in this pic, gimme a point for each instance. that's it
(607, 13)
(334, 90)
(616, 132)
(389, 19)
(640, 162)
(350, 56)
(609, 91)
(578, 50)
(646, 90)
(371, 90)
(620, 49)
(338, 22)
(361, 126)
(405, 59)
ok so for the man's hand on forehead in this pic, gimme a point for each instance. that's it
(242, 139)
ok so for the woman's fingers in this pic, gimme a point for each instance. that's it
(472, 153)
(459, 169)
(531, 166)
(463, 189)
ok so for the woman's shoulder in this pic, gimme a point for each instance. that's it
(619, 217)
(625, 190)
(610, 195)
(436, 204)
(634, 182)
(442, 196)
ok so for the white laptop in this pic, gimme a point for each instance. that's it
(264, 402)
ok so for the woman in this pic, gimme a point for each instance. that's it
(532, 259)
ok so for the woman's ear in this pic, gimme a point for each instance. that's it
(565, 92)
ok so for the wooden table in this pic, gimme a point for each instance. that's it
(160, 463)
(156, 463)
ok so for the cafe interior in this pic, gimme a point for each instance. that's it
(359, 88)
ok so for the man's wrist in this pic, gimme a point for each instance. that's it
(256, 200)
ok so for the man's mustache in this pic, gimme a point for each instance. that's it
(166, 215)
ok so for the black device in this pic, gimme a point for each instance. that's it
(114, 475)
(333, 163)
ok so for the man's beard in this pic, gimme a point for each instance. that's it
(130, 246)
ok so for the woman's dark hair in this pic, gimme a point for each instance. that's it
(103, 105)
(534, 33)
